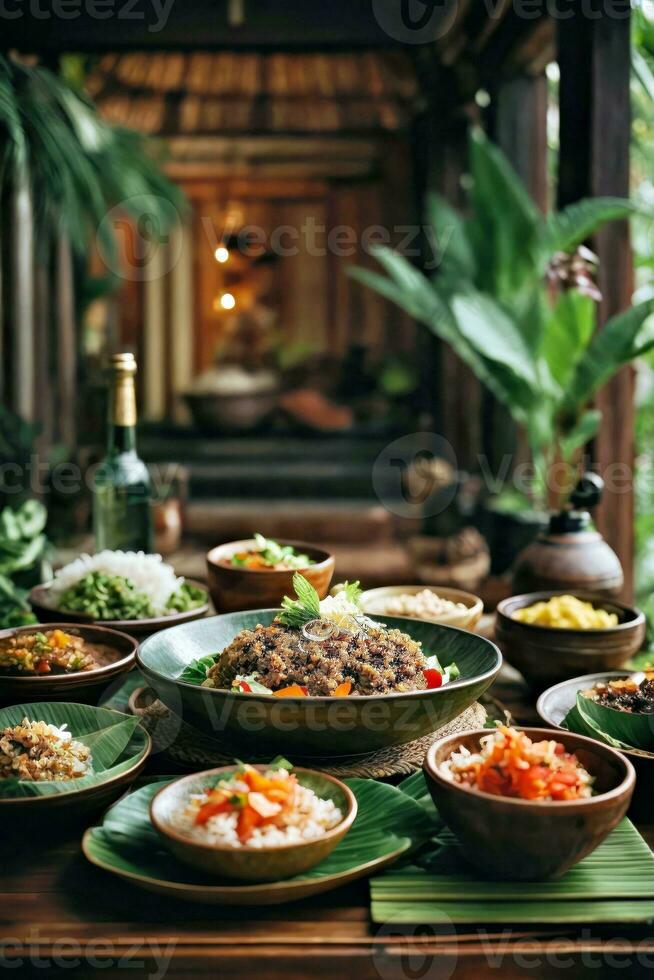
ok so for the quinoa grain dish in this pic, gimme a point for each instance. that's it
(40, 752)
(374, 661)
(317, 648)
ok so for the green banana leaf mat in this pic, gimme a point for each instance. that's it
(614, 884)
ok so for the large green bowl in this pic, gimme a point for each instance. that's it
(314, 726)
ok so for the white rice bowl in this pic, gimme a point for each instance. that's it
(310, 818)
(149, 574)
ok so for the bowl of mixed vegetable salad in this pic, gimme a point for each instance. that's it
(257, 572)
(125, 590)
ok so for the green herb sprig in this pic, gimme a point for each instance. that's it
(297, 612)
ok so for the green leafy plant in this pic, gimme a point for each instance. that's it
(77, 165)
(538, 353)
(23, 548)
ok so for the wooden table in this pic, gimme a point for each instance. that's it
(58, 911)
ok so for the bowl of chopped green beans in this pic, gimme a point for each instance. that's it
(111, 600)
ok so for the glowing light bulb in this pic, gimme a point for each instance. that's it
(227, 301)
(221, 254)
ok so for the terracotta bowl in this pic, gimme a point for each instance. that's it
(373, 601)
(118, 656)
(526, 841)
(235, 589)
(250, 864)
(555, 703)
(545, 655)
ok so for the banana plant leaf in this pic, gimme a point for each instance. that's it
(196, 672)
(624, 337)
(388, 821)
(115, 741)
(622, 729)
(563, 231)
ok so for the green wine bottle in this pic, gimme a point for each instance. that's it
(122, 494)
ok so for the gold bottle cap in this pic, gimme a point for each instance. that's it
(125, 362)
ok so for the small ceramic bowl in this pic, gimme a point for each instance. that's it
(250, 864)
(234, 589)
(545, 655)
(117, 656)
(374, 602)
(520, 839)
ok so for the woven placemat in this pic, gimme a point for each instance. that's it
(192, 749)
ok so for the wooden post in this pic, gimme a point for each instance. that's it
(595, 64)
(22, 307)
(521, 131)
(66, 344)
(519, 127)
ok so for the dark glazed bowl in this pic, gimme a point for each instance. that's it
(251, 864)
(545, 655)
(236, 589)
(555, 703)
(119, 655)
(314, 727)
(522, 840)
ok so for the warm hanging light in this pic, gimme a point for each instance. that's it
(227, 301)
(221, 254)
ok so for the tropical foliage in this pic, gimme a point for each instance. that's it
(77, 165)
(538, 352)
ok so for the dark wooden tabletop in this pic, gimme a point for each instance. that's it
(59, 912)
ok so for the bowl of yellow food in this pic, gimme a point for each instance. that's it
(552, 636)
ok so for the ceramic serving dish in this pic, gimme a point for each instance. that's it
(117, 655)
(555, 703)
(306, 727)
(388, 824)
(373, 601)
(545, 655)
(105, 782)
(524, 840)
(47, 612)
(234, 589)
(247, 863)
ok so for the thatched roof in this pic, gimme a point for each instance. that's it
(207, 93)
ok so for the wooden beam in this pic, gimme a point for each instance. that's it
(595, 123)
(206, 24)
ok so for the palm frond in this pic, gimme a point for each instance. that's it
(624, 337)
(564, 230)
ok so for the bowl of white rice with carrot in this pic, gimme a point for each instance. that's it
(253, 823)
